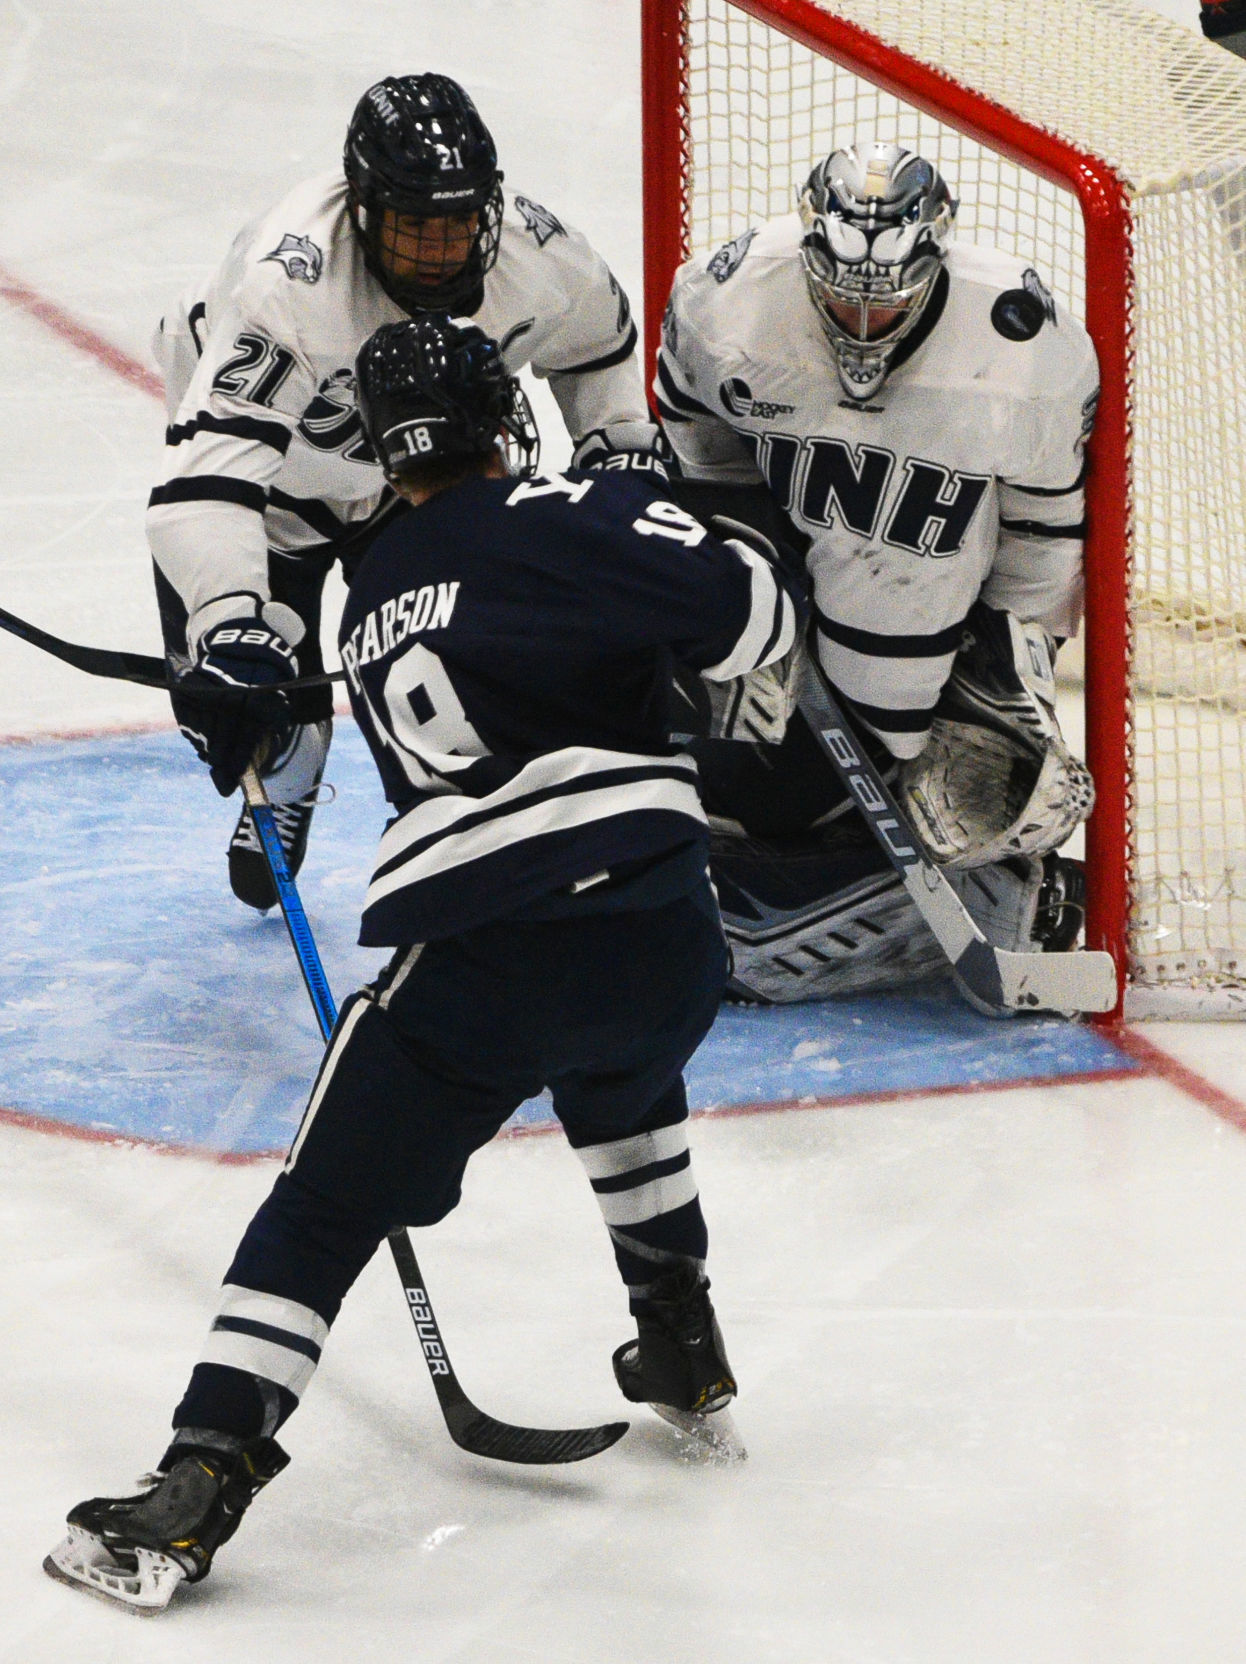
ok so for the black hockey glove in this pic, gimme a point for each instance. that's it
(230, 703)
(640, 447)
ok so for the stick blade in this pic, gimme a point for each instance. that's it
(999, 983)
(480, 1434)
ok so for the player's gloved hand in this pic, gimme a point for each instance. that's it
(230, 702)
(639, 446)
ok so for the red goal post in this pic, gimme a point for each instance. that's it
(1015, 103)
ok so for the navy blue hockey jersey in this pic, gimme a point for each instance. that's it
(509, 648)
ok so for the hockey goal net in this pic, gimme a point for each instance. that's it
(1108, 145)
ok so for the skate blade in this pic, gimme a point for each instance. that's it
(83, 1562)
(713, 1434)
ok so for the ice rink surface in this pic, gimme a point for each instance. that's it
(991, 1343)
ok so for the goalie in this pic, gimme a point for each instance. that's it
(911, 415)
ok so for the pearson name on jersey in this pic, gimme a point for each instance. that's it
(961, 477)
(509, 648)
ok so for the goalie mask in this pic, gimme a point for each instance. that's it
(432, 390)
(877, 222)
(996, 779)
(424, 192)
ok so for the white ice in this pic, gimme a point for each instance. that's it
(992, 1348)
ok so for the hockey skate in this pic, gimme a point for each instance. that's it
(1061, 909)
(136, 1550)
(678, 1366)
(249, 877)
(293, 782)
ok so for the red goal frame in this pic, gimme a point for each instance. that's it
(1109, 295)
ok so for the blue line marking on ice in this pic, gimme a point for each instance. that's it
(138, 996)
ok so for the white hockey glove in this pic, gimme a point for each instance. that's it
(996, 778)
(639, 446)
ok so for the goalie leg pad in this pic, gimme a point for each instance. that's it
(1025, 904)
(809, 922)
(814, 918)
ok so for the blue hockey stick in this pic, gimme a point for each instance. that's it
(469, 1427)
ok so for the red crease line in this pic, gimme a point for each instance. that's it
(77, 334)
(1158, 1062)
(243, 1158)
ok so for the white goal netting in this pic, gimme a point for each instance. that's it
(1167, 111)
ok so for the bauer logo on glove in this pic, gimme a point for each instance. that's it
(229, 704)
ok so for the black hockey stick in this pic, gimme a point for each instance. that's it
(470, 1428)
(994, 980)
(143, 668)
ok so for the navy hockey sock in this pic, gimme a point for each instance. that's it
(648, 1197)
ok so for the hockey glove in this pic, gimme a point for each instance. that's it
(638, 446)
(996, 778)
(230, 704)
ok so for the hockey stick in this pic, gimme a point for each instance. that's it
(143, 668)
(993, 980)
(470, 1428)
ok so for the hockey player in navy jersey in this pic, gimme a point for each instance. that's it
(267, 478)
(912, 413)
(511, 646)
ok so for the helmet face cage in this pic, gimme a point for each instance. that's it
(433, 391)
(877, 222)
(425, 192)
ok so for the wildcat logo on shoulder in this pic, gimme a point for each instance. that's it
(301, 258)
(539, 221)
(729, 257)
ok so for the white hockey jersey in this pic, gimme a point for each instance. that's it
(265, 447)
(961, 477)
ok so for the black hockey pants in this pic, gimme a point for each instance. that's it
(423, 1068)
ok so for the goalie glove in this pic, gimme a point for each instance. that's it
(995, 778)
(640, 447)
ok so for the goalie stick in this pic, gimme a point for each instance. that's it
(993, 980)
(470, 1428)
(143, 668)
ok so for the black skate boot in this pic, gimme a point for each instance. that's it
(678, 1365)
(136, 1549)
(1061, 910)
(249, 877)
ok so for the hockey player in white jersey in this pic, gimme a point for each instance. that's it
(913, 414)
(268, 478)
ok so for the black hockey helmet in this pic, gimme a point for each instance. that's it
(416, 148)
(434, 391)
